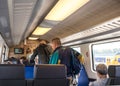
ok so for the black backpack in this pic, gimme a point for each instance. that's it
(69, 57)
(76, 65)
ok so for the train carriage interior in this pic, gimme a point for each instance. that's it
(91, 27)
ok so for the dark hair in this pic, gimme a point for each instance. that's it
(56, 41)
(23, 57)
(101, 69)
(13, 60)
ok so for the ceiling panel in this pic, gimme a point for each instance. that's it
(19, 18)
(93, 13)
(22, 10)
(109, 29)
(3, 4)
(4, 21)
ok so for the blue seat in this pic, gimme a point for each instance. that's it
(12, 75)
(29, 71)
(83, 78)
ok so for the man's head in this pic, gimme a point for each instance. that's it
(55, 43)
(101, 70)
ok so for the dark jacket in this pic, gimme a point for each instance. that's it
(43, 52)
(64, 56)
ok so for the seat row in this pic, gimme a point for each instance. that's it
(44, 75)
(114, 75)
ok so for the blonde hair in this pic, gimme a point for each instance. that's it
(43, 42)
(81, 58)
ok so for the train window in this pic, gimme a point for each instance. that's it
(77, 49)
(3, 53)
(0, 52)
(107, 53)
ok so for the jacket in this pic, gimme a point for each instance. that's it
(43, 53)
(64, 57)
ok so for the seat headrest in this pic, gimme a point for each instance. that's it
(11, 71)
(114, 71)
(48, 71)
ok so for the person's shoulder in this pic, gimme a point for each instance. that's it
(95, 83)
(100, 82)
(65, 48)
(91, 84)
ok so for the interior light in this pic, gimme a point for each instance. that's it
(32, 38)
(64, 8)
(41, 31)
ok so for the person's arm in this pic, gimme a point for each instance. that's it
(48, 52)
(91, 84)
(35, 53)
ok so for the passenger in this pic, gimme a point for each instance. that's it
(11, 60)
(59, 56)
(14, 60)
(29, 53)
(8, 61)
(24, 61)
(56, 46)
(43, 52)
(36, 60)
(101, 70)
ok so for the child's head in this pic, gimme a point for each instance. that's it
(101, 70)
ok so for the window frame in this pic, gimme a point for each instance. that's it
(92, 53)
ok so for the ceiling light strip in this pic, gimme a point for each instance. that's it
(40, 31)
(64, 8)
(32, 38)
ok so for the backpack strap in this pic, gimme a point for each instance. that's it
(61, 50)
(76, 65)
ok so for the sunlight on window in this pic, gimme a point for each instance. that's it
(107, 53)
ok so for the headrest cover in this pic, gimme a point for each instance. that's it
(11, 71)
(114, 71)
(48, 71)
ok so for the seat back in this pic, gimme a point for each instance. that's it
(52, 75)
(11, 71)
(50, 71)
(12, 75)
(114, 75)
(114, 71)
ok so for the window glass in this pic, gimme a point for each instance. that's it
(107, 53)
(77, 49)
(3, 53)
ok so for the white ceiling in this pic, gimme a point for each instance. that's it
(93, 13)
(18, 19)
(20, 13)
